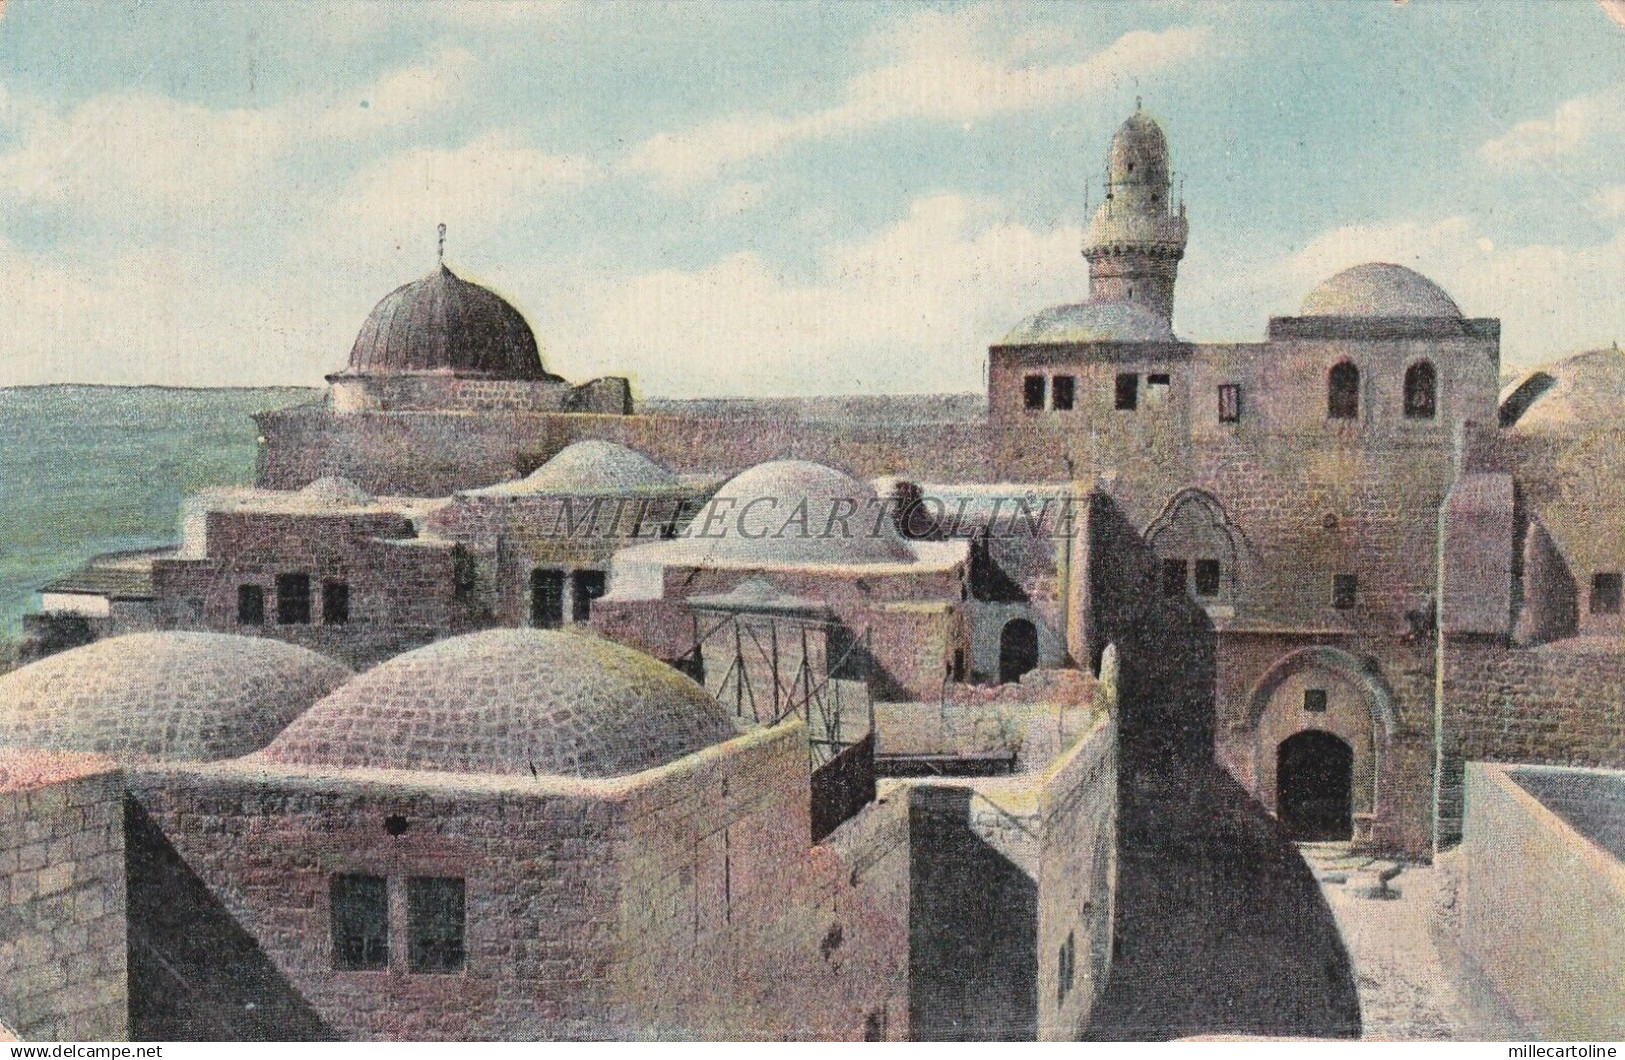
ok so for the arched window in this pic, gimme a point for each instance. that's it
(1343, 392)
(1421, 385)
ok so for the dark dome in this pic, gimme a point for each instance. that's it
(443, 323)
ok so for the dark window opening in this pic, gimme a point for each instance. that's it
(1229, 403)
(1605, 594)
(1420, 391)
(434, 924)
(1343, 392)
(547, 599)
(1068, 967)
(957, 673)
(1209, 577)
(1345, 587)
(1032, 391)
(335, 602)
(1064, 393)
(1173, 577)
(1314, 700)
(874, 1026)
(251, 605)
(1018, 650)
(1158, 379)
(586, 586)
(293, 599)
(1128, 392)
(360, 918)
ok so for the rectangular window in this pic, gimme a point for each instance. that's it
(1209, 577)
(434, 924)
(1158, 379)
(1032, 391)
(1173, 577)
(547, 599)
(251, 605)
(1128, 392)
(1605, 594)
(1064, 391)
(335, 602)
(360, 916)
(293, 599)
(1314, 700)
(1229, 403)
(586, 586)
(1068, 967)
(1345, 587)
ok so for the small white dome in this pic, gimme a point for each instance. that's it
(1095, 321)
(590, 467)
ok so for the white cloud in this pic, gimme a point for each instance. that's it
(909, 308)
(1610, 201)
(1575, 125)
(941, 66)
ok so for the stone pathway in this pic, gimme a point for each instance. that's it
(1383, 909)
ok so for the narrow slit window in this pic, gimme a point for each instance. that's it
(1229, 403)
(360, 922)
(435, 924)
(251, 605)
(293, 599)
(1209, 577)
(1606, 593)
(1128, 392)
(1032, 392)
(1064, 393)
(1345, 590)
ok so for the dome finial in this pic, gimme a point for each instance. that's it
(440, 253)
(1136, 103)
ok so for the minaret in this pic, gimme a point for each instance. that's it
(1137, 237)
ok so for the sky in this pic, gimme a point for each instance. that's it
(720, 198)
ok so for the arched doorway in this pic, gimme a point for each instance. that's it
(1018, 649)
(1314, 777)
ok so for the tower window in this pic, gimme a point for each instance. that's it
(586, 586)
(435, 921)
(251, 605)
(1208, 577)
(1605, 594)
(1032, 392)
(1343, 392)
(1345, 589)
(1420, 391)
(1173, 577)
(1128, 392)
(1229, 403)
(1314, 700)
(293, 599)
(359, 908)
(1063, 393)
(335, 602)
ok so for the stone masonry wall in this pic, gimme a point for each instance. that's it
(62, 926)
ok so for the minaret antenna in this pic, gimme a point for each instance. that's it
(441, 252)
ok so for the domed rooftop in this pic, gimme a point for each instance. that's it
(791, 512)
(517, 702)
(1379, 289)
(168, 697)
(591, 467)
(1581, 393)
(1093, 321)
(333, 492)
(1138, 153)
(443, 323)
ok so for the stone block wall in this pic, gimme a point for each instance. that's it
(62, 914)
(1542, 910)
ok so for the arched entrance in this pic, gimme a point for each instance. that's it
(1314, 777)
(1018, 649)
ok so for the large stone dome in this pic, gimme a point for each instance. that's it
(443, 323)
(1093, 321)
(168, 697)
(590, 467)
(1577, 395)
(789, 512)
(1379, 289)
(517, 702)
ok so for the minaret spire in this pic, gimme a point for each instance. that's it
(440, 253)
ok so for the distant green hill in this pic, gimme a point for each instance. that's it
(88, 469)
